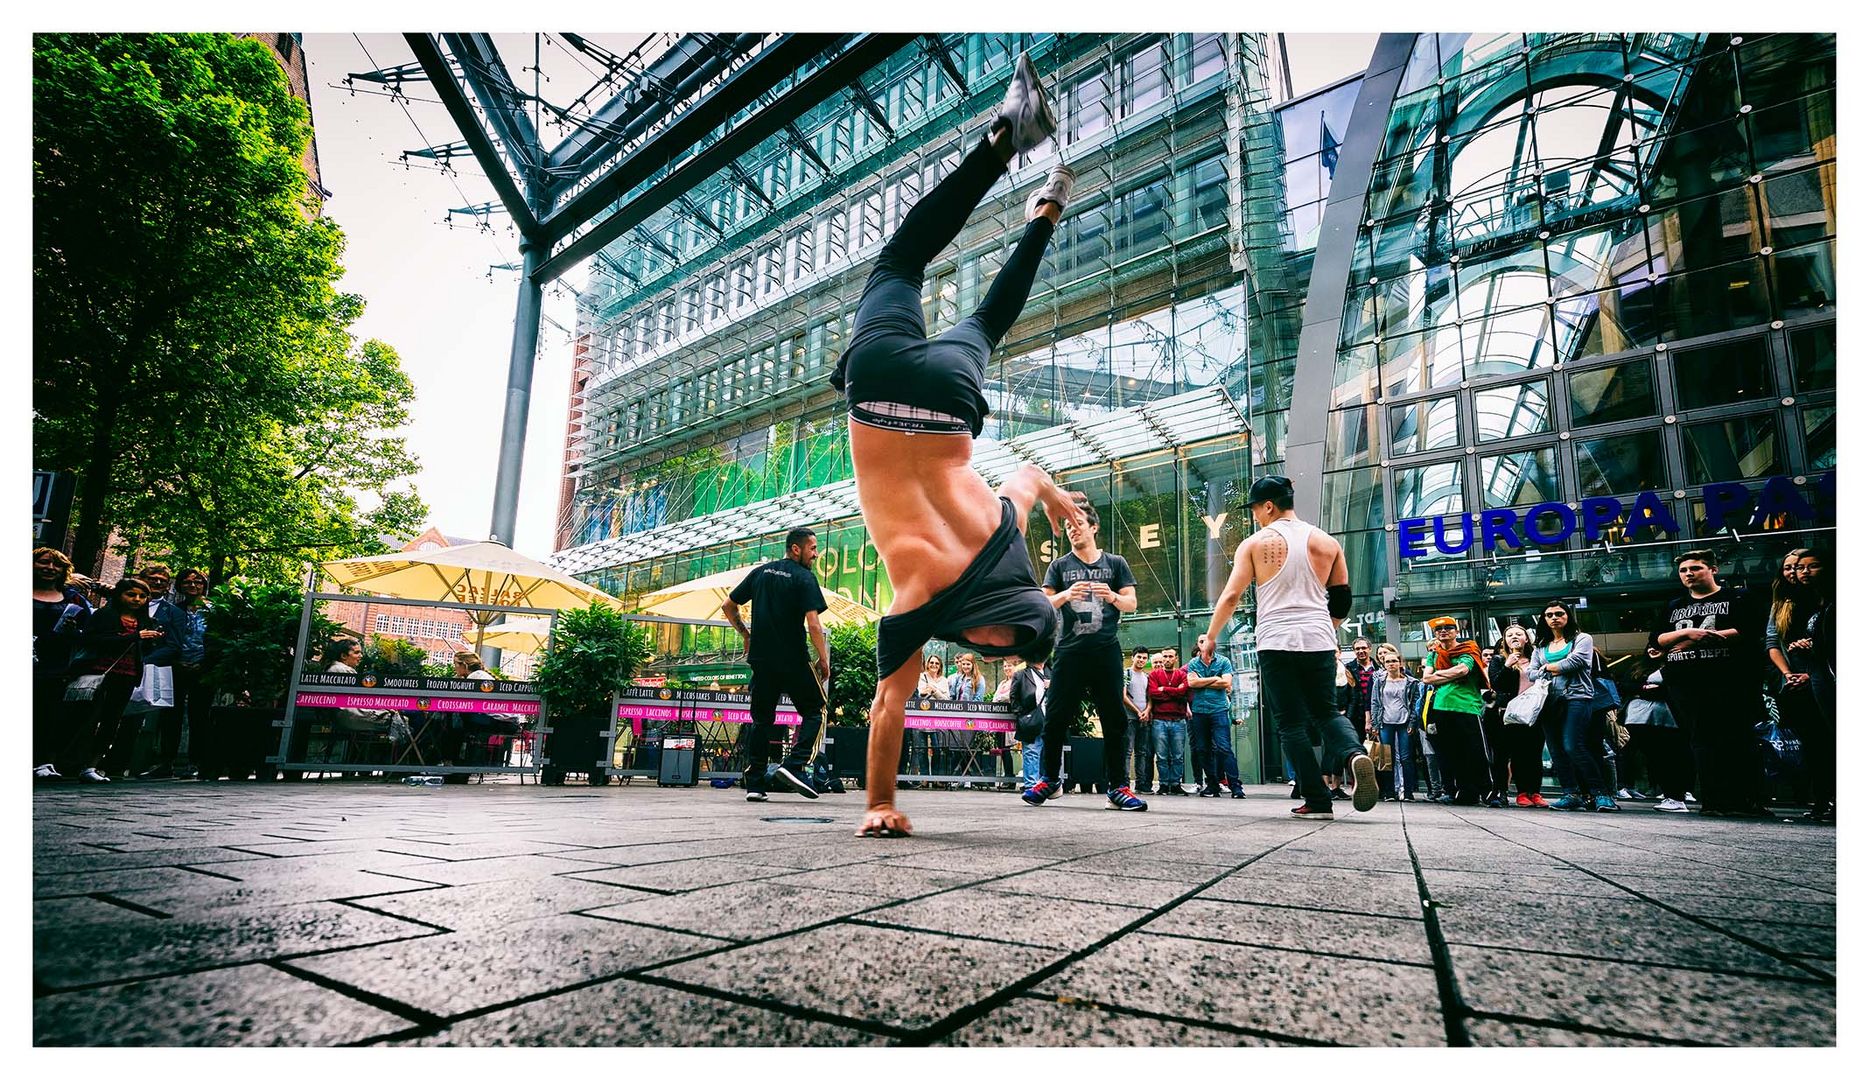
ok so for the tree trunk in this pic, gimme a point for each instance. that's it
(87, 548)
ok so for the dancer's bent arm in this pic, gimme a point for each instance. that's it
(1032, 486)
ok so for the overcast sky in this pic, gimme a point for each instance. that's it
(429, 288)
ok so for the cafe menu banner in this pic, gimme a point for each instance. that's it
(638, 705)
(424, 685)
(400, 703)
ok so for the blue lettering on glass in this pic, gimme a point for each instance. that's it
(1647, 516)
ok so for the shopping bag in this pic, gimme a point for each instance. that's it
(156, 691)
(1781, 748)
(1523, 709)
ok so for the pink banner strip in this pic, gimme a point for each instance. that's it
(311, 700)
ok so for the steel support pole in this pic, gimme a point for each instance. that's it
(518, 395)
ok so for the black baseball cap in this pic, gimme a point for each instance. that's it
(1274, 488)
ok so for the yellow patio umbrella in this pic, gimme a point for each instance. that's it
(518, 635)
(483, 573)
(701, 599)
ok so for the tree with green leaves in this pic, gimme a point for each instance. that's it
(193, 363)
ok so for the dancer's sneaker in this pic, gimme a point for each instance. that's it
(1671, 806)
(755, 795)
(1124, 799)
(1364, 791)
(796, 782)
(46, 772)
(92, 776)
(1539, 801)
(1606, 805)
(1307, 812)
(1525, 800)
(1026, 112)
(1055, 189)
(1571, 802)
(1238, 792)
(1038, 793)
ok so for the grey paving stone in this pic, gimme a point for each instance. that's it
(817, 857)
(1033, 919)
(1352, 1002)
(744, 911)
(1497, 1033)
(1791, 938)
(1035, 1022)
(886, 878)
(480, 871)
(685, 875)
(900, 978)
(1135, 892)
(984, 862)
(1569, 883)
(500, 903)
(73, 911)
(1591, 926)
(1346, 890)
(73, 956)
(275, 1009)
(103, 862)
(455, 973)
(1147, 866)
(626, 1013)
(152, 877)
(1723, 1010)
(1389, 940)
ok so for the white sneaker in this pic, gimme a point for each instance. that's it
(92, 776)
(1671, 806)
(45, 772)
(1056, 189)
(1029, 117)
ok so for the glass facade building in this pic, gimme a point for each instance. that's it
(1493, 272)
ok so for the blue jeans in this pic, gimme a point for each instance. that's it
(1170, 735)
(1212, 733)
(1399, 738)
(1142, 752)
(1034, 753)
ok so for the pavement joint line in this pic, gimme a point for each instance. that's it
(412, 1013)
(129, 905)
(1453, 1009)
(1580, 1029)
(800, 1012)
(1322, 954)
(41, 990)
(954, 935)
(591, 914)
(391, 915)
(1775, 953)
(1307, 907)
(1094, 1005)
(1698, 969)
(961, 1017)
(1634, 847)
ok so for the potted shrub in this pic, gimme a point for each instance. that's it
(252, 627)
(594, 652)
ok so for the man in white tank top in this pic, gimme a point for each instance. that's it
(1303, 593)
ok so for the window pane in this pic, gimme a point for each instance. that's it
(1427, 425)
(1729, 373)
(1520, 479)
(1736, 449)
(1606, 395)
(1507, 412)
(1428, 491)
(1814, 357)
(1805, 280)
(1621, 464)
(1820, 438)
(1799, 209)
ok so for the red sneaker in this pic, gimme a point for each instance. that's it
(1525, 800)
(1307, 812)
(1539, 801)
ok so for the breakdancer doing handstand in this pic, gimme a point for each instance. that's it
(953, 547)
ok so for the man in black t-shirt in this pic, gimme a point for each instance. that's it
(1712, 638)
(786, 600)
(1091, 589)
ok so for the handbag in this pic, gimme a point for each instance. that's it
(83, 688)
(1615, 730)
(1524, 708)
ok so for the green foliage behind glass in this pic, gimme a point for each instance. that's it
(853, 674)
(252, 627)
(594, 653)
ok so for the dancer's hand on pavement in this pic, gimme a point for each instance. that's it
(884, 821)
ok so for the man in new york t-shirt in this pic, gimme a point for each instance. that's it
(1091, 589)
(1710, 637)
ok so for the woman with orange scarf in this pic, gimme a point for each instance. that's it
(1458, 677)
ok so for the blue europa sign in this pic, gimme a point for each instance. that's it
(1779, 500)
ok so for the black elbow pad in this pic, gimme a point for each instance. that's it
(1339, 600)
